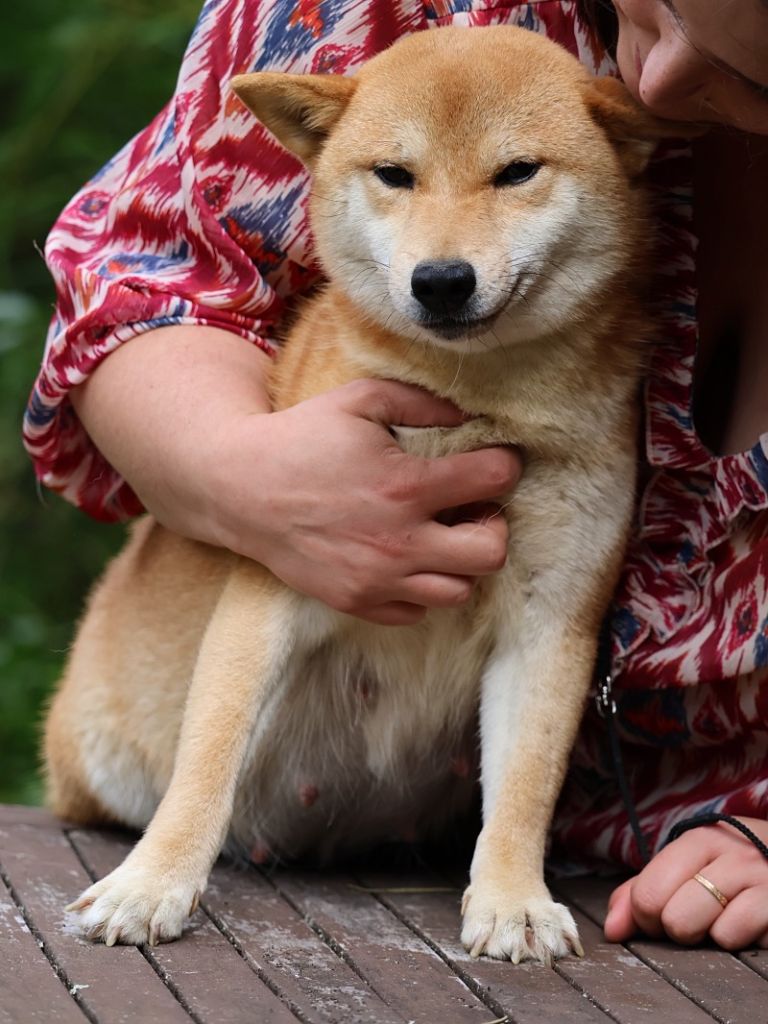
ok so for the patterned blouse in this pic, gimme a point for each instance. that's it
(202, 219)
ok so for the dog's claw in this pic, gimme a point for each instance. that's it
(81, 903)
(195, 904)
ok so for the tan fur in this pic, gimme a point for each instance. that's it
(206, 701)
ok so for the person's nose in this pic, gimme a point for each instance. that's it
(674, 75)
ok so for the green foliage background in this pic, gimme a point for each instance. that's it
(78, 78)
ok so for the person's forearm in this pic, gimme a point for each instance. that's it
(154, 406)
(309, 491)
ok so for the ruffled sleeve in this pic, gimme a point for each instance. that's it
(200, 219)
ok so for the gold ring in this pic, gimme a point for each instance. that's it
(710, 887)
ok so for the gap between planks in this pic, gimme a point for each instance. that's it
(70, 987)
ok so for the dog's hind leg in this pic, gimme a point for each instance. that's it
(68, 792)
(243, 655)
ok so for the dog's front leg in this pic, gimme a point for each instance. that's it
(243, 654)
(532, 701)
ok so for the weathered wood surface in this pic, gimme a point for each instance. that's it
(374, 947)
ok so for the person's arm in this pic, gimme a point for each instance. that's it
(320, 492)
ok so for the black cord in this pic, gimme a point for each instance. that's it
(626, 796)
(712, 819)
(606, 707)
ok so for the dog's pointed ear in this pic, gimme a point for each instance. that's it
(634, 131)
(299, 110)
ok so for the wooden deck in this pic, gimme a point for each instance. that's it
(272, 947)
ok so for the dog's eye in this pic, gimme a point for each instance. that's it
(395, 177)
(516, 173)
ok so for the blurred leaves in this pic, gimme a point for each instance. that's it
(77, 81)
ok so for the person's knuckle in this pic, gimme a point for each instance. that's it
(728, 932)
(676, 923)
(364, 391)
(390, 546)
(753, 862)
(645, 899)
(346, 602)
(399, 486)
(353, 594)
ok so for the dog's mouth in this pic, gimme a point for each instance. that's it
(456, 328)
(461, 325)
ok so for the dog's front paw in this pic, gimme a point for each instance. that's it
(506, 927)
(133, 905)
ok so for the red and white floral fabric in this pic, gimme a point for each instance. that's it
(201, 219)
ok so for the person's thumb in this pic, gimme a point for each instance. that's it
(394, 404)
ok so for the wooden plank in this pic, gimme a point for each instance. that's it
(405, 972)
(527, 993)
(215, 982)
(756, 960)
(625, 987)
(617, 981)
(29, 988)
(112, 985)
(297, 962)
(714, 979)
(382, 958)
(16, 814)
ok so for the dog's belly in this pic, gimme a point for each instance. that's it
(368, 738)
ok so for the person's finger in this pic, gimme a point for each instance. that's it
(619, 923)
(392, 613)
(744, 922)
(467, 549)
(392, 403)
(410, 599)
(467, 478)
(670, 869)
(693, 909)
(435, 590)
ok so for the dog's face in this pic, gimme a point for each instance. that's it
(471, 188)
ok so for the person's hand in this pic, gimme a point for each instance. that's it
(666, 900)
(322, 494)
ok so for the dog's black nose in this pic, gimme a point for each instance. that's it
(443, 286)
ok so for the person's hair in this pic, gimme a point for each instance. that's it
(600, 17)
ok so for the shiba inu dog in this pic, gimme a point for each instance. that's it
(478, 217)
